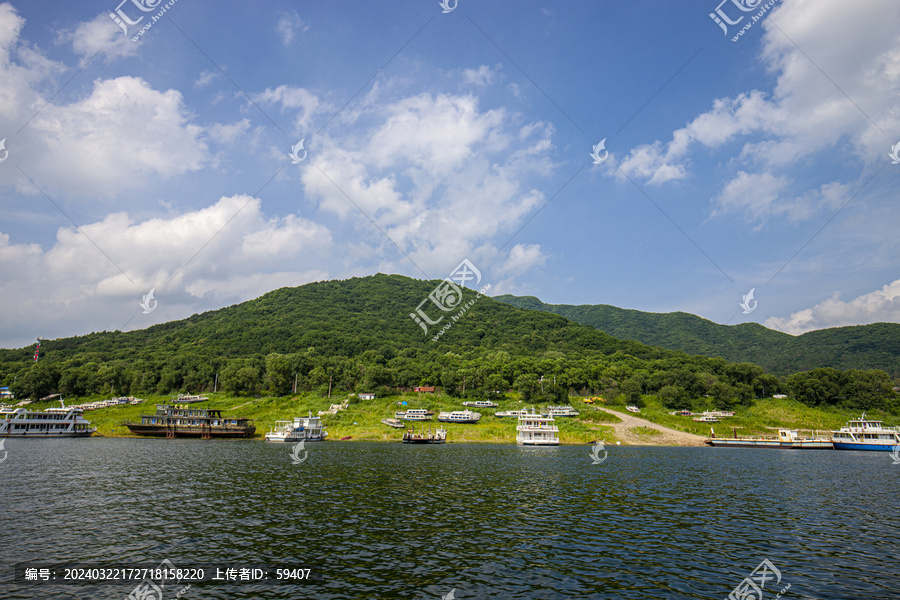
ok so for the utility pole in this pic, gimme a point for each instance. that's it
(216, 384)
(329, 385)
(295, 383)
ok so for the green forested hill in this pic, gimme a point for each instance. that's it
(874, 346)
(357, 335)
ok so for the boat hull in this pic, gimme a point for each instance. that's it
(422, 441)
(186, 431)
(281, 439)
(537, 443)
(861, 446)
(49, 434)
(795, 445)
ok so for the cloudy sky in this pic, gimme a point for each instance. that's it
(156, 154)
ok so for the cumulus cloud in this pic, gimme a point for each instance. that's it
(806, 113)
(481, 76)
(100, 35)
(875, 307)
(439, 175)
(227, 252)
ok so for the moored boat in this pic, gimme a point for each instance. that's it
(301, 429)
(393, 423)
(459, 416)
(632, 408)
(866, 434)
(537, 430)
(707, 419)
(481, 404)
(64, 421)
(787, 439)
(438, 436)
(515, 413)
(174, 421)
(415, 414)
(562, 411)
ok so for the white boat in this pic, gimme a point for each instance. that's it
(787, 438)
(393, 423)
(707, 419)
(536, 430)
(51, 423)
(459, 416)
(515, 413)
(632, 408)
(866, 434)
(415, 414)
(301, 429)
(562, 411)
(481, 404)
(185, 399)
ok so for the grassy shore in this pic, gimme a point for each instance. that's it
(361, 420)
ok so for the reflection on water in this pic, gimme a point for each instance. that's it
(385, 520)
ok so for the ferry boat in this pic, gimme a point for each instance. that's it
(393, 423)
(65, 421)
(516, 413)
(632, 408)
(866, 434)
(301, 429)
(787, 439)
(459, 416)
(180, 421)
(562, 411)
(184, 399)
(415, 414)
(537, 430)
(707, 419)
(481, 404)
(439, 436)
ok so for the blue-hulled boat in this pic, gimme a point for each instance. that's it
(865, 434)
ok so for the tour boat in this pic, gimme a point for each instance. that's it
(537, 430)
(562, 411)
(481, 404)
(301, 429)
(184, 399)
(866, 434)
(438, 436)
(174, 421)
(393, 423)
(787, 439)
(65, 421)
(515, 413)
(459, 416)
(707, 419)
(415, 414)
(632, 408)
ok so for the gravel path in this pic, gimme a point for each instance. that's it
(667, 436)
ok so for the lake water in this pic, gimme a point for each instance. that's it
(381, 520)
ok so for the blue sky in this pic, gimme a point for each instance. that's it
(431, 137)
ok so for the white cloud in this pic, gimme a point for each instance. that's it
(480, 77)
(289, 26)
(227, 252)
(440, 176)
(293, 97)
(875, 307)
(228, 133)
(807, 112)
(206, 77)
(101, 34)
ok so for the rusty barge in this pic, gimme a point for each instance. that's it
(180, 421)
